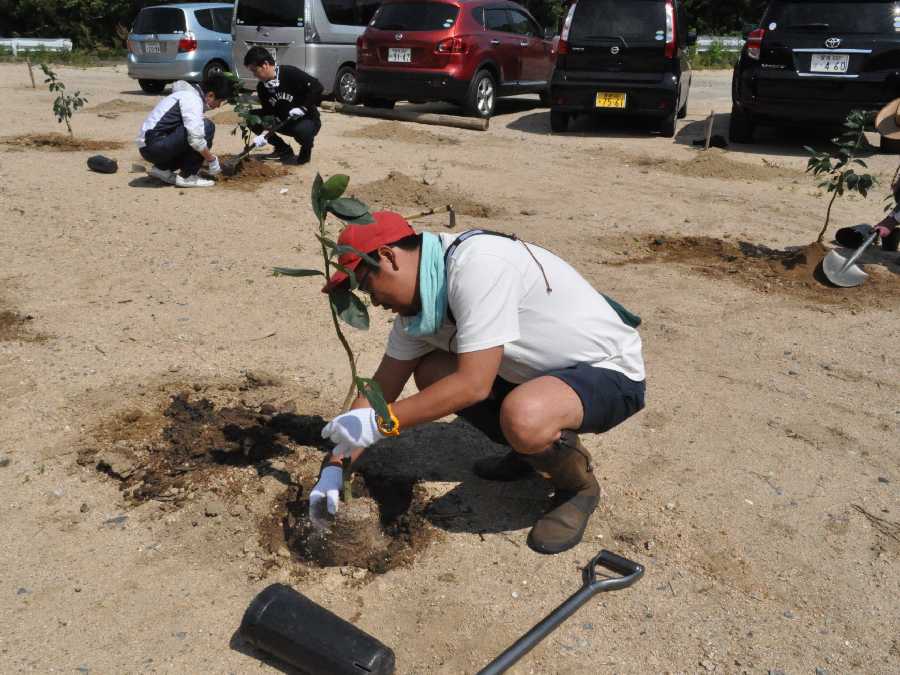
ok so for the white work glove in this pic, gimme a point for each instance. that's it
(259, 141)
(354, 429)
(296, 112)
(214, 168)
(326, 489)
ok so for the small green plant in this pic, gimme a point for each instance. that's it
(344, 304)
(837, 167)
(64, 105)
(244, 105)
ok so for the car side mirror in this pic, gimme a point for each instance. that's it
(691, 38)
(549, 33)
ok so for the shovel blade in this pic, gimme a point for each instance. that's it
(839, 273)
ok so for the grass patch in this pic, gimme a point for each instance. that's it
(716, 57)
(82, 58)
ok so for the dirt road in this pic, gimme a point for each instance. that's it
(759, 487)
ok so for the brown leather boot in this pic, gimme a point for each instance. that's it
(567, 464)
(508, 467)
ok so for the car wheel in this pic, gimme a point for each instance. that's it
(482, 95)
(740, 126)
(152, 86)
(559, 121)
(890, 145)
(214, 67)
(682, 112)
(346, 86)
(667, 126)
(383, 103)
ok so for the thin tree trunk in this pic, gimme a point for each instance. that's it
(827, 218)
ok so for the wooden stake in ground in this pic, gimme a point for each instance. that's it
(476, 124)
(30, 73)
(709, 127)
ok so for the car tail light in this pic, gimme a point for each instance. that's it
(187, 44)
(132, 46)
(754, 43)
(362, 46)
(563, 46)
(454, 45)
(671, 47)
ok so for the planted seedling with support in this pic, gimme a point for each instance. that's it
(347, 307)
(64, 105)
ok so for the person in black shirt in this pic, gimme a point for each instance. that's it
(290, 96)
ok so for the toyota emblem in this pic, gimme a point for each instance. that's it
(833, 43)
(613, 50)
(398, 36)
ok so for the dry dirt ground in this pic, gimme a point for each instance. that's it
(160, 394)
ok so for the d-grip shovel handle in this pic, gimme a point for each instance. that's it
(630, 571)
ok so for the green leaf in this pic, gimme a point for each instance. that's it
(295, 272)
(372, 391)
(350, 273)
(365, 219)
(341, 249)
(347, 207)
(334, 187)
(317, 205)
(329, 244)
(350, 309)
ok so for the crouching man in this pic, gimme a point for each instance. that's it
(508, 336)
(291, 97)
(176, 137)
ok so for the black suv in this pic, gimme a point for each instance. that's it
(622, 57)
(814, 62)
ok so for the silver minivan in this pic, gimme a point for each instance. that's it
(318, 36)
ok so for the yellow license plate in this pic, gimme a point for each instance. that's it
(607, 99)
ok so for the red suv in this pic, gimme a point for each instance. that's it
(467, 52)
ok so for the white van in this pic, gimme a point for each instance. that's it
(318, 36)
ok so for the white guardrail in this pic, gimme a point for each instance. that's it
(17, 45)
(728, 44)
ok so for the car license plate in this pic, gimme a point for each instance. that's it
(829, 63)
(151, 48)
(607, 99)
(399, 55)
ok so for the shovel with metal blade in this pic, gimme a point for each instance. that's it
(843, 271)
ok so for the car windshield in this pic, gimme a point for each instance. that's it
(835, 17)
(270, 12)
(159, 20)
(612, 19)
(415, 16)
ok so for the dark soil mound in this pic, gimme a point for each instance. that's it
(59, 142)
(196, 442)
(382, 528)
(795, 272)
(251, 173)
(398, 190)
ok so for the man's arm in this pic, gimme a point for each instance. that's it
(392, 375)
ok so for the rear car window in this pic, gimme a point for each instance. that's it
(270, 12)
(222, 20)
(159, 20)
(606, 19)
(415, 16)
(350, 12)
(835, 17)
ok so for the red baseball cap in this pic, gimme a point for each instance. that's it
(388, 228)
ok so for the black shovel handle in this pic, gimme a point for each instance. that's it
(630, 571)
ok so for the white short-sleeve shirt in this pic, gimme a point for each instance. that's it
(498, 296)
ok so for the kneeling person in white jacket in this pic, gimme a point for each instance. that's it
(176, 137)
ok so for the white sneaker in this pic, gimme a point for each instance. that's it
(164, 175)
(193, 181)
